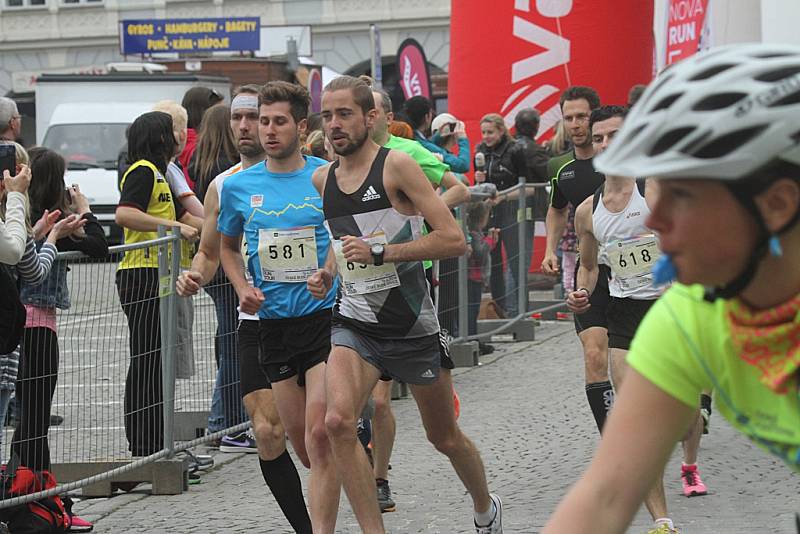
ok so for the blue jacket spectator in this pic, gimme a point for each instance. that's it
(448, 132)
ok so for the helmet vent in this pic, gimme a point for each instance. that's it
(728, 143)
(669, 139)
(718, 101)
(636, 131)
(666, 102)
(776, 75)
(656, 86)
(770, 55)
(709, 72)
(792, 98)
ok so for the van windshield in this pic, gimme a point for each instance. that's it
(87, 146)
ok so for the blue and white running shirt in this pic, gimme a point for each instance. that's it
(281, 217)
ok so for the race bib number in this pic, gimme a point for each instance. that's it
(362, 278)
(631, 260)
(287, 255)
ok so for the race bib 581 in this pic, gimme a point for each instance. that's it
(287, 254)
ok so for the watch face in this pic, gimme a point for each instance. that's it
(377, 248)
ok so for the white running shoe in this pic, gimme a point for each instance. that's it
(496, 526)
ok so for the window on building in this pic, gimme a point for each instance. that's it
(75, 2)
(24, 3)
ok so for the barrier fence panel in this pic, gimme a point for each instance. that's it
(138, 373)
(115, 363)
(503, 231)
(208, 396)
(87, 361)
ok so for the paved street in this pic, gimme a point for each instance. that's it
(526, 410)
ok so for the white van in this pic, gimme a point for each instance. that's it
(84, 118)
(90, 138)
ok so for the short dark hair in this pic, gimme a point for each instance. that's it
(527, 122)
(576, 92)
(362, 92)
(196, 101)
(603, 113)
(150, 137)
(280, 91)
(635, 94)
(416, 108)
(248, 89)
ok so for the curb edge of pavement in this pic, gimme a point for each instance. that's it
(95, 510)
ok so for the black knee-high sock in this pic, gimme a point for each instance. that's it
(281, 476)
(601, 399)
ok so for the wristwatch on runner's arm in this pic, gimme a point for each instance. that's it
(377, 254)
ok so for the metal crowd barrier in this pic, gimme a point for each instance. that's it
(90, 450)
(516, 233)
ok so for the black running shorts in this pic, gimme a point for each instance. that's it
(595, 316)
(292, 346)
(253, 376)
(624, 317)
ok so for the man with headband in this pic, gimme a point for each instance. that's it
(277, 467)
(276, 208)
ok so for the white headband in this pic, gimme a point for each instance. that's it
(246, 101)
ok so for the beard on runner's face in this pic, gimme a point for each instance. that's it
(248, 144)
(247, 141)
(354, 143)
(275, 150)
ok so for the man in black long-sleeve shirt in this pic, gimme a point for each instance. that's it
(526, 124)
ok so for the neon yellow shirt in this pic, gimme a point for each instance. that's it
(684, 346)
(433, 168)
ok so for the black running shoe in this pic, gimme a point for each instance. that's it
(385, 500)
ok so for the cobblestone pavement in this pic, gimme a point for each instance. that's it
(526, 410)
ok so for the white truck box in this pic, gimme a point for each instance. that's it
(84, 118)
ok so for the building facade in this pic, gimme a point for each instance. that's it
(67, 36)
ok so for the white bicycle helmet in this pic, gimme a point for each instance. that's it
(721, 115)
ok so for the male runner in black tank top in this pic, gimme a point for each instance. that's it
(384, 322)
(573, 179)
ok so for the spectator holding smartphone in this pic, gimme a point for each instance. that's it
(39, 355)
(12, 226)
(449, 133)
(33, 268)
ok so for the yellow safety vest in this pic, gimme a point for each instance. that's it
(160, 205)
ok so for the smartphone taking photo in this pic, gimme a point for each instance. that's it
(8, 160)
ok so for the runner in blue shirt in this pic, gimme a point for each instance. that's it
(279, 212)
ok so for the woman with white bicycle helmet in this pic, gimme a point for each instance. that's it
(720, 132)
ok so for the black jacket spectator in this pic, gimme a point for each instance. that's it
(505, 163)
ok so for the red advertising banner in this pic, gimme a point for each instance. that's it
(686, 29)
(412, 66)
(510, 55)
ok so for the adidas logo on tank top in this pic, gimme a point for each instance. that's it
(370, 194)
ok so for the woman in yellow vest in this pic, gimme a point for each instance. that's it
(146, 202)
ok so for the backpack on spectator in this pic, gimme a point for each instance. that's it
(46, 515)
